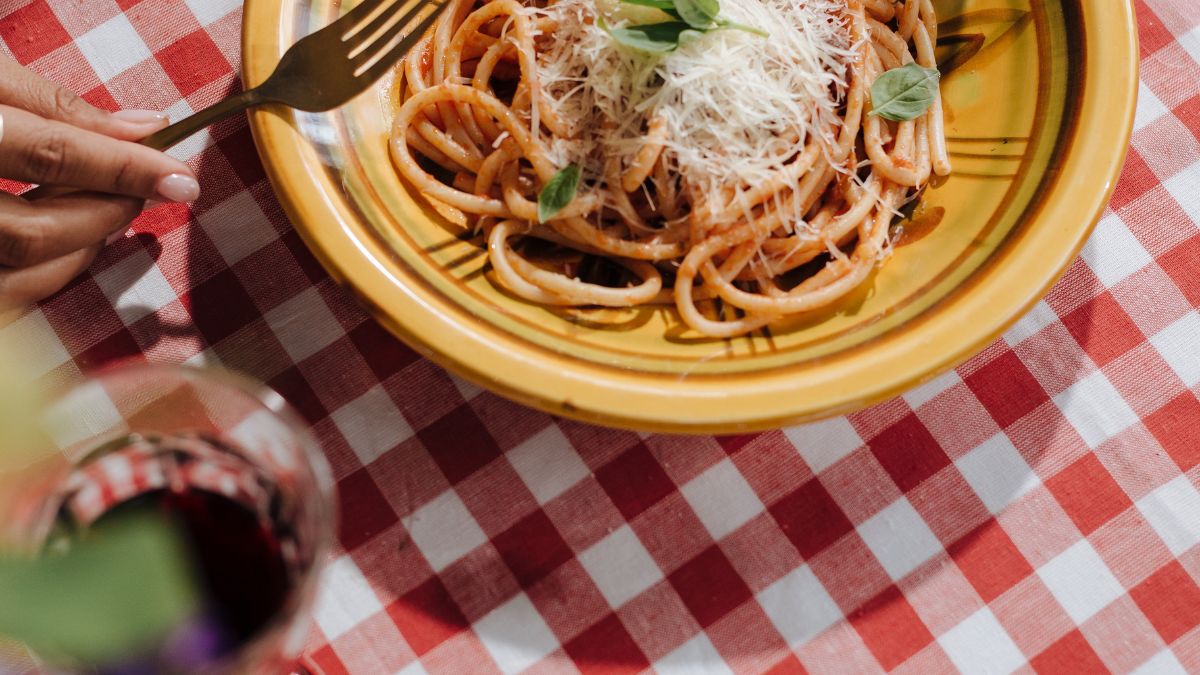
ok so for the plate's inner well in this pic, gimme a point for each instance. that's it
(1009, 106)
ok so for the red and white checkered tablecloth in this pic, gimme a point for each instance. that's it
(1036, 509)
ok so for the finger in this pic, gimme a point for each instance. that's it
(34, 232)
(24, 286)
(42, 151)
(21, 88)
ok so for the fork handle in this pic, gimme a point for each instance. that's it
(210, 115)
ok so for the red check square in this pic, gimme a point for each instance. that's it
(634, 481)
(908, 452)
(220, 306)
(193, 62)
(1174, 426)
(1136, 180)
(33, 32)
(116, 348)
(1103, 329)
(1181, 263)
(606, 648)
(325, 661)
(427, 616)
(363, 510)
(790, 665)
(1088, 493)
(1070, 654)
(459, 443)
(810, 518)
(891, 628)
(989, 560)
(710, 586)
(1170, 599)
(532, 548)
(1007, 389)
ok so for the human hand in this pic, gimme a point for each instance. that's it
(50, 136)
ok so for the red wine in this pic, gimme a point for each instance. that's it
(233, 523)
(237, 561)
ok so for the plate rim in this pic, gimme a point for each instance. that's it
(1089, 173)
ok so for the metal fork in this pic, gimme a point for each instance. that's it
(326, 69)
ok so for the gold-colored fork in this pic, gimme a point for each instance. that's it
(326, 69)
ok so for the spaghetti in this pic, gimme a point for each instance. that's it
(737, 172)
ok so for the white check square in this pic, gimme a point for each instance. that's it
(697, 656)
(372, 424)
(548, 463)
(414, 668)
(32, 337)
(1190, 42)
(722, 499)
(1162, 663)
(1182, 187)
(444, 530)
(237, 227)
(1177, 345)
(799, 606)
(345, 598)
(515, 635)
(1080, 581)
(1149, 108)
(979, 644)
(920, 395)
(1173, 510)
(899, 538)
(304, 325)
(136, 287)
(113, 47)
(620, 566)
(822, 444)
(997, 472)
(1095, 409)
(1031, 323)
(194, 144)
(86, 412)
(1112, 252)
(209, 11)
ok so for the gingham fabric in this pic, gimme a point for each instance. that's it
(1036, 510)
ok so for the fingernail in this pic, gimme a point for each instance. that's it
(143, 118)
(178, 188)
(115, 237)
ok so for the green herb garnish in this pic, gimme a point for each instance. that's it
(699, 14)
(651, 37)
(108, 597)
(558, 192)
(904, 93)
(692, 17)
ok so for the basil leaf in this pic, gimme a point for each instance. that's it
(558, 192)
(698, 14)
(733, 25)
(652, 37)
(904, 93)
(106, 598)
(664, 5)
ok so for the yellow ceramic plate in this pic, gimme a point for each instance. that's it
(1039, 109)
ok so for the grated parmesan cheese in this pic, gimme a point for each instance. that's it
(737, 106)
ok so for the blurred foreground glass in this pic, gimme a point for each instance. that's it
(234, 473)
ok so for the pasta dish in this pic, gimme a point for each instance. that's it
(743, 161)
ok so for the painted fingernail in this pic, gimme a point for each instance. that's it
(143, 118)
(115, 237)
(178, 188)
